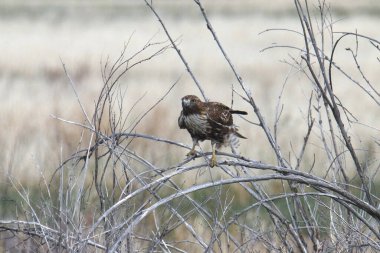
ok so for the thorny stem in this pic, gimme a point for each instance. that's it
(331, 101)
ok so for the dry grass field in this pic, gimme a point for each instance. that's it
(38, 37)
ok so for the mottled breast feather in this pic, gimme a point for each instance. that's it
(197, 125)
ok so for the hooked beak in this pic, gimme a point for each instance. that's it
(185, 102)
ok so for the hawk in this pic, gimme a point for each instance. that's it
(208, 121)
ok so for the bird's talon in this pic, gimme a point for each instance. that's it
(191, 153)
(213, 162)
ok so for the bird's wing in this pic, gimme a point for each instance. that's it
(219, 113)
(181, 121)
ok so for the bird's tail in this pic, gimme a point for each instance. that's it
(238, 112)
(239, 135)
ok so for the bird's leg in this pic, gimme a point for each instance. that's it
(213, 156)
(192, 151)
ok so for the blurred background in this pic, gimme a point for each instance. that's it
(37, 37)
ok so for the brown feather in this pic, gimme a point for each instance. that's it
(208, 120)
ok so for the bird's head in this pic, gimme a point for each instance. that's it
(191, 103)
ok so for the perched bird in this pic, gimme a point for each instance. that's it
(209, 121)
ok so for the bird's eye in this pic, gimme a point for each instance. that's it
(192, 100)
